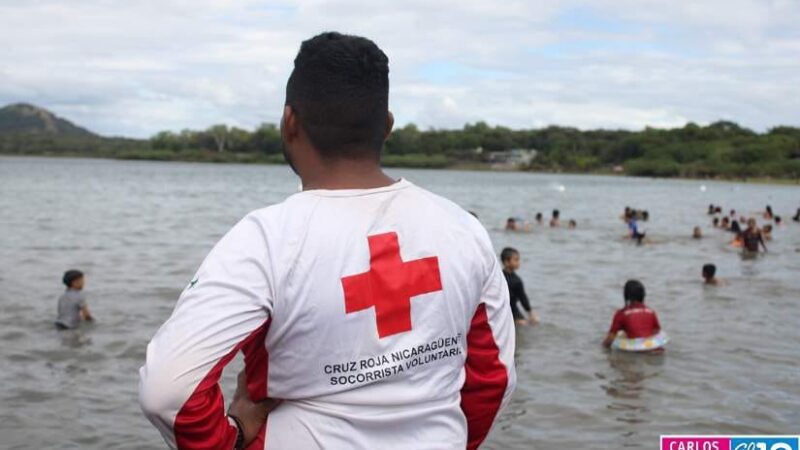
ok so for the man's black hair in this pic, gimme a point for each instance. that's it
(507, 253)
(339, 89)
(709, 270)
(70, 276)
(634, 291)
(556, 213)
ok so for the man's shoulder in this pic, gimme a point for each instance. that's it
(456, 213)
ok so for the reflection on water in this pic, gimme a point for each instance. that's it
(628, 382)
(139, 230)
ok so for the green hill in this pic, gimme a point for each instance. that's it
(23, 118)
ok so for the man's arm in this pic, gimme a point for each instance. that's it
(226, 309)
(490, 374)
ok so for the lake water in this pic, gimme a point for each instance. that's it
(140, 229)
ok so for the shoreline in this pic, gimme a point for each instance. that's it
(277, 160)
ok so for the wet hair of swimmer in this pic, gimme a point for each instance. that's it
(715, 221)
(769, 209)
(777, 220)
(634, 292)
(507, 254)
(556, 213)
(735, 228)
(709, 270)
(70, 276)
(539, 215)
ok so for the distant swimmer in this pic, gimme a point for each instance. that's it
(634, 232)
(697, 233)
(635, 319)
(778, 221)
(709, 275)
(767, 232)
(555, 221)
(711, 209)
(768, 213)
(517, 224)
(540, 218)
(573, 224)
(796, 217)
(72, 306)
(715, 222)
(752, 238)
(725, 224)
(511, 262)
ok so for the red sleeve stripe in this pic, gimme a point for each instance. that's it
(201, 423)
(256, 368)
(486, 379)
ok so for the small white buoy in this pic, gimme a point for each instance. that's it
(561, 188)
(703, 188)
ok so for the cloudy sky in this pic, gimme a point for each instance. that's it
(133, 68)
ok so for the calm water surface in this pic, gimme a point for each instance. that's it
(140, 230)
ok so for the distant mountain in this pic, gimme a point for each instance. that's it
(29, 119)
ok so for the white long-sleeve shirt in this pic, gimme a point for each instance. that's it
(381, 317)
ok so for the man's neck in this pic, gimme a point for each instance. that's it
(347, 174)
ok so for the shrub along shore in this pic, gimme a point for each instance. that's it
(721, 150)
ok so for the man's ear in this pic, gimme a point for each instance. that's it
(389, 125)
(290, 128)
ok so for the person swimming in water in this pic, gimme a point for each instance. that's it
(511, 262)
(72, 307)
(539, 218)
(573, 224)
(768, 212)
(517, 224)
(796, 217)
(697, 233)
(635, 319)
(555, 221)
(634, 232)
(709, 278)
(752, 238)
(767, 231)
(725, 224)
(715, 222)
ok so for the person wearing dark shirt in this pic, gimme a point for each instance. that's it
(510, 259)
(752, 237)
(635, 319)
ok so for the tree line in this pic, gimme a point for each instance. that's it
(721, 149)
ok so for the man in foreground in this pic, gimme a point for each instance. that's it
(371, 327)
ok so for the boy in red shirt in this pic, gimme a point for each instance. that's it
(635, 319)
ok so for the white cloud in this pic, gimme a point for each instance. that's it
(133, 68)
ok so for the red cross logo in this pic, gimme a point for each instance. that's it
(389, 284)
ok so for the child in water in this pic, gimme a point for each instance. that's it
(510, 259)
(72, 306)
(635, 319)
(556, 220)
(709, 278)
